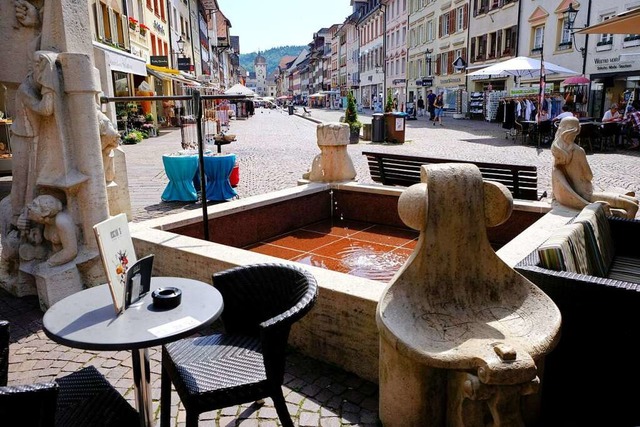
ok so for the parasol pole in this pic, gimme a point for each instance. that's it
(541, 90)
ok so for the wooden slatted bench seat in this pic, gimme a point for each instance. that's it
(403, 170)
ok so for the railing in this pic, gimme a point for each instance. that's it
(197, 101)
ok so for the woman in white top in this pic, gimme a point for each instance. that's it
(612, 114)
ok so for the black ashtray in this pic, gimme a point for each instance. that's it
(164, 298)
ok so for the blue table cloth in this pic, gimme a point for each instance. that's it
(217, 170)
(180, 171)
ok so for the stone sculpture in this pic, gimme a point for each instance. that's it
(110, 140)
(462, 335)
(52, 87)
(59, 229)
(333, 164)
(571, 175)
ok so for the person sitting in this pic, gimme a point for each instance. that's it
(566, 112)
(612, 114)
(542, 116)
(633, 121)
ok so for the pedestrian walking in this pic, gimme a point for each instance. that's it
(420, 107)
(438, 105)
(431, 97)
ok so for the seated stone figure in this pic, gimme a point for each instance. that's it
(571, 175)
(59, 228)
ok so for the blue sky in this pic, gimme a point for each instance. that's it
(263, 24)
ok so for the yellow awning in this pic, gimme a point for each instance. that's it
(163, 69)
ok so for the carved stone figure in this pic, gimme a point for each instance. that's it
(59, 229)
(34, 100)
(110, 140)
(571, 175)
(333, 164)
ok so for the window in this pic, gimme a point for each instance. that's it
(460, 19)
(444, 24)
(403, 66)
(538, 37)
(565, 33)
(605, 38)
(444, 63)
(430, 31)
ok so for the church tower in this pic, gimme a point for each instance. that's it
(260, 66)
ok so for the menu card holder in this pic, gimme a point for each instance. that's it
(117, 253)
(138, 280)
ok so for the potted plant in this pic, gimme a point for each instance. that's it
(132, 137)
(351, 118)
(143, 30)
(133, 23)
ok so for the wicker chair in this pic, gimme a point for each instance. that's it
(600, 326)
(246, 363)
(83, 398)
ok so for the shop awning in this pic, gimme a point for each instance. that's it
(166, 73)
(117, 60)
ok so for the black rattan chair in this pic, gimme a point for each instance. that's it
(246, 363)
(82, 398)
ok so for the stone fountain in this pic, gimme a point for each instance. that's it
(59, 141)
(333, 164)
(462, 336)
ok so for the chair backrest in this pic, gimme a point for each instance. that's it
(609, 129)
(587, 129)
(544, 126)
(4, 352)
(262, 296)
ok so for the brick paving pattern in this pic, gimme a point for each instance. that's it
(274, 149)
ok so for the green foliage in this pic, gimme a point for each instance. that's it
(388, 106)
(351, 113)
(133, 137)
(273, 57)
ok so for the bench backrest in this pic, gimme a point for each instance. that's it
(398, 169)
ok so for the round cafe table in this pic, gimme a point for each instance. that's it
(88, 320)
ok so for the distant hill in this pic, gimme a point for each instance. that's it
(273, 56)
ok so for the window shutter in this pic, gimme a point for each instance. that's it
(452, 21)
(438, 65)
(125, 31)
(440, 21)
(472, 57)
(464, 54)
(100, 29)
(113, 25)
(450, 62)
(465, 19)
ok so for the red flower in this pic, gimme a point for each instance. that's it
(144, 27)
(133, 20)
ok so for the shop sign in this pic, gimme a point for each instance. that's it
(611, 64)
(158, 27)
(452, 80)
(528, 91)
(159, 60)
(424, 82)
(398, 81)
(184, 64)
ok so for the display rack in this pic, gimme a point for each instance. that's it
(493, 101)
(476, 105)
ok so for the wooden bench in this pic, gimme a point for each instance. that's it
(398, 169)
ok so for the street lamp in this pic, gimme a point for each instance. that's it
(427, 55)
(570, 19)
(181, 44)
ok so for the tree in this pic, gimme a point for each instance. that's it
(388, 106)
(351, 114)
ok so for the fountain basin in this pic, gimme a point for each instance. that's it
(341, 328)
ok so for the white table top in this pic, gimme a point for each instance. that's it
(88, 320)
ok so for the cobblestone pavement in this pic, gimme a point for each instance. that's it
(274, 149)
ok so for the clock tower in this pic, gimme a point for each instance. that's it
(260, 66)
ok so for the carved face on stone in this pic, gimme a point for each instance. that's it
(43, 207)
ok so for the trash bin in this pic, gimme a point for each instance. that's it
(395, 125)
(377, 127)
(366, 131)
(290, 110)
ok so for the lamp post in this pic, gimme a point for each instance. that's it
(570, 19)
(427, 62)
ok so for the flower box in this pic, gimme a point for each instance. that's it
(143, 30)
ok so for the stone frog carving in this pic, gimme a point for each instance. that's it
(109, 140)
(571, 175)
(462, 335)
(45, 218)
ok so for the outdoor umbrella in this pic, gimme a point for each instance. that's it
(283, 97)
(623, 23)
(238, 89)
(521, 66)
(317, 95)
(576, 80)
